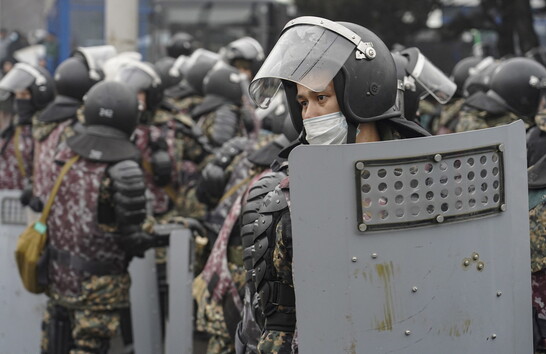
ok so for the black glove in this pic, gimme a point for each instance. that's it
(195, 226)
(26, 196)
(136, 243)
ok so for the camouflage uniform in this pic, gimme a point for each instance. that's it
(449, 117)
(17, 149)
(226, 259)
(92, 302)
(470, 119)
(273, 268)
(537, 226)
(47, 139)
(146, 135)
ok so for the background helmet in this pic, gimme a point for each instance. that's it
(312, 51)
(461, 72)
(223, 84)
(34, 78)
(170, 75)
(479, 79)
(514, 81)
(94, 58)
(246, 53)
(197, 67)
(72, 78)
(142, 77)
(111, 116)
(180, 44)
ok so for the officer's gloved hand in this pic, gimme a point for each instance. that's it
(26, 196)
(162, 167)
(136, 243)
(195, 226)
(36, 204)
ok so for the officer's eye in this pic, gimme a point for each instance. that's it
(302, 103)
(321, 97)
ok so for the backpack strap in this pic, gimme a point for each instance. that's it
(18, 153)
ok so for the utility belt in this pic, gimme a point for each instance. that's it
(275, 294)
(72, 261)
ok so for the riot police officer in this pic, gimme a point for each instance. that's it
(32, 89)
(95, 226)
(511, 96)
(57, 121)
(341, 86)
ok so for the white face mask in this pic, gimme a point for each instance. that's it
(328, 129)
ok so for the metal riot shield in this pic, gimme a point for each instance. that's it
(413, 246)
(20, 311)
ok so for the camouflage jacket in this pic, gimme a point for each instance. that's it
(537, 228)
(73, 227)
(222, 280)
(145, 137)
(449, 117)
(17, 149)
(222, 124)
(471, 119)
(48, 139)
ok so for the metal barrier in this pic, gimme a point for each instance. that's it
(20, 311)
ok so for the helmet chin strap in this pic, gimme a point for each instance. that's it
(351, 133)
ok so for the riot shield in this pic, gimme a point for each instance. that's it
(413, 246)
(145, 310)
(20, 311)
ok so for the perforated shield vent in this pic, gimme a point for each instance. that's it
(429, 189)
(12, 212)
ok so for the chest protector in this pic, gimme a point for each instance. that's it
(17, 148)
(44, 166)
(74, 230)
(145, 137)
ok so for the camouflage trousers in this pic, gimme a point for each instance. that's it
(220, 345)
(90, 331)
(275, 342)
(538, 284)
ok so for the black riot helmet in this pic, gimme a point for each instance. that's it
(312, 51)
(72, 78)
(197, 67)
(111, 116)
(222, 85)
(180, 44)
(461, 72)
(34, 78)
(244, 53)
(515, 87)
(169, 73)
(479, 79)
(142, 77)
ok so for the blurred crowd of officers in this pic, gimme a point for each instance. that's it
(181, 141)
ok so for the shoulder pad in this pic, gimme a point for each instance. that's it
(274, 201)
(259, 227)
(129, 190)
(265, 184)
(536, 174)
(225, 125)
(249, 214)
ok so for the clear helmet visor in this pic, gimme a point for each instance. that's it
(433, 80)
(308, 55)
(19, 78)
(95, 57)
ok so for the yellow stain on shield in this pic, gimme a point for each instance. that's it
(385, 272)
